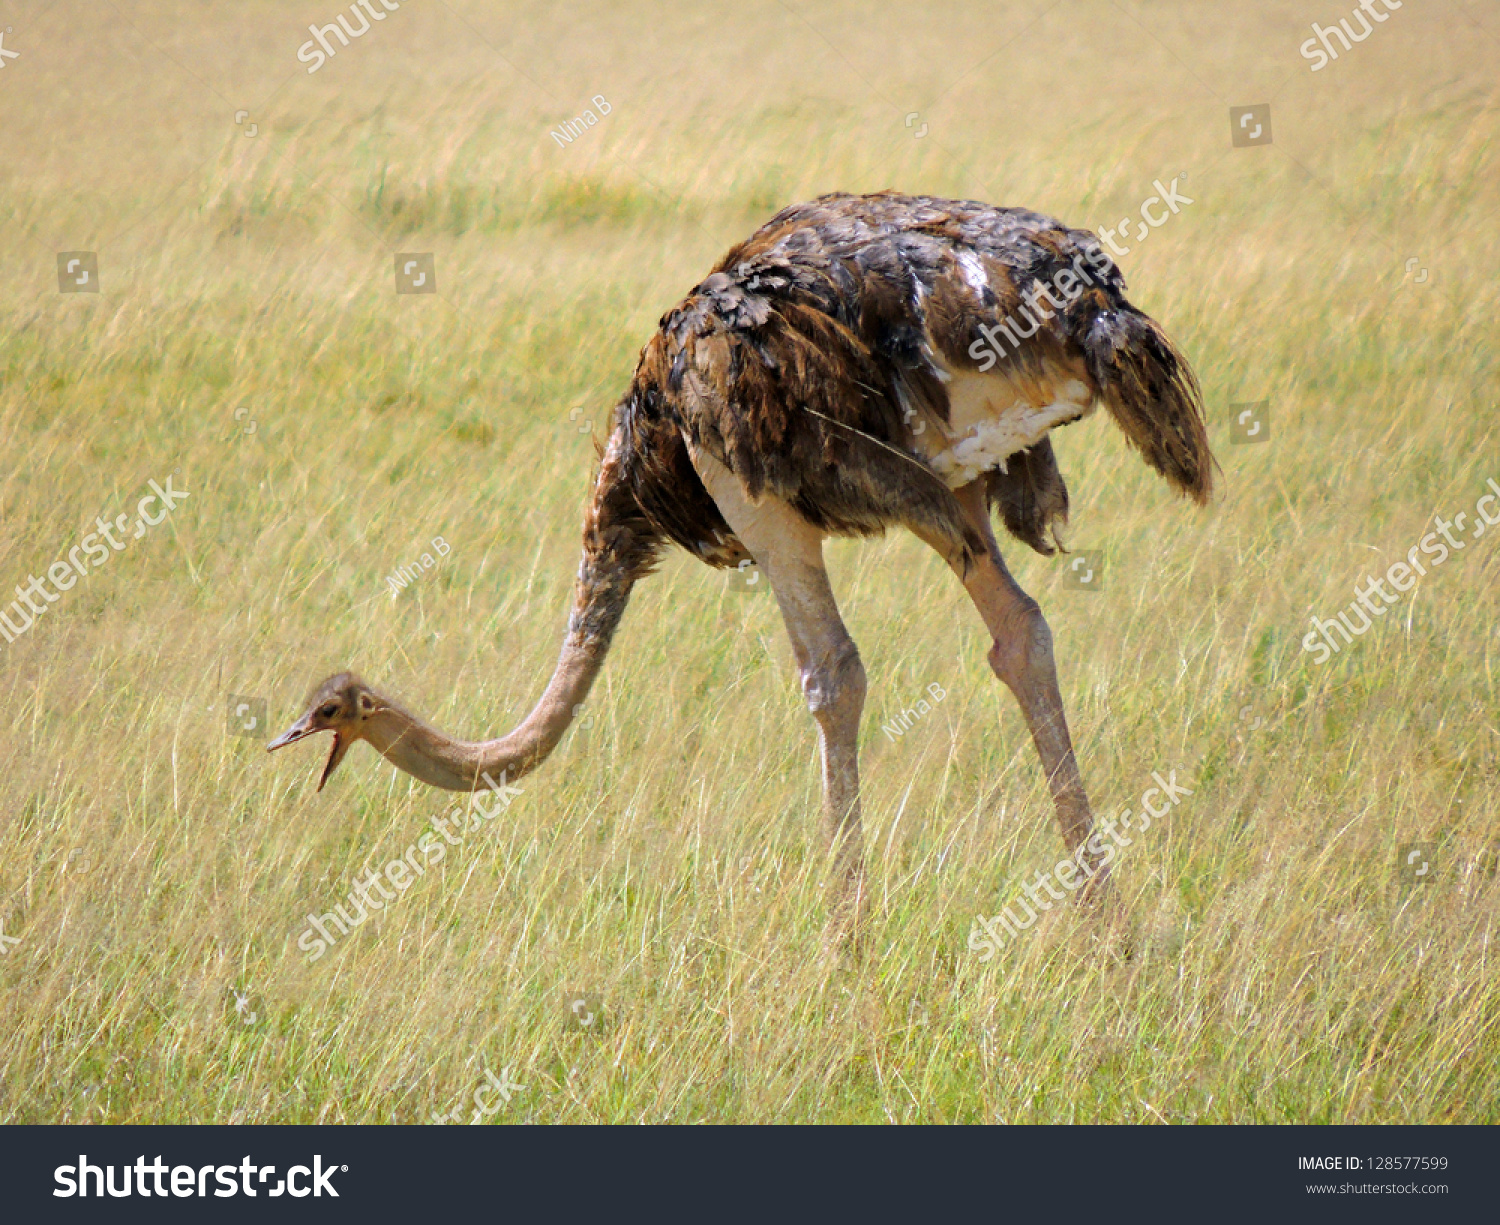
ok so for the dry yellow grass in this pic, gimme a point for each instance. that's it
(665, 863)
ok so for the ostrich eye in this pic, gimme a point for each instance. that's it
(329, 711)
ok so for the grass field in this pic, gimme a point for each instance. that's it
(1268, 963)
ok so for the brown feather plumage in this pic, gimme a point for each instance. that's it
(806, 358)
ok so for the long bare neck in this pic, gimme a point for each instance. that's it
(436, 758)
(618, 548)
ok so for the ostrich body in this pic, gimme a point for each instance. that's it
(844, 370)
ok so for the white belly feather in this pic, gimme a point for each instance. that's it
(991, 417)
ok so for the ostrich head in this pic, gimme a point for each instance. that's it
(342, 704)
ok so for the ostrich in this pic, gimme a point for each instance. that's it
(858, 362)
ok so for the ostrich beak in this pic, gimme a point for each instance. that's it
(299, 730)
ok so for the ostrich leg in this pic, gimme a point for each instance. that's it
(1021, 656)
(789, 552)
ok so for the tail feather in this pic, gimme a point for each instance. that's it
(1151, 393)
